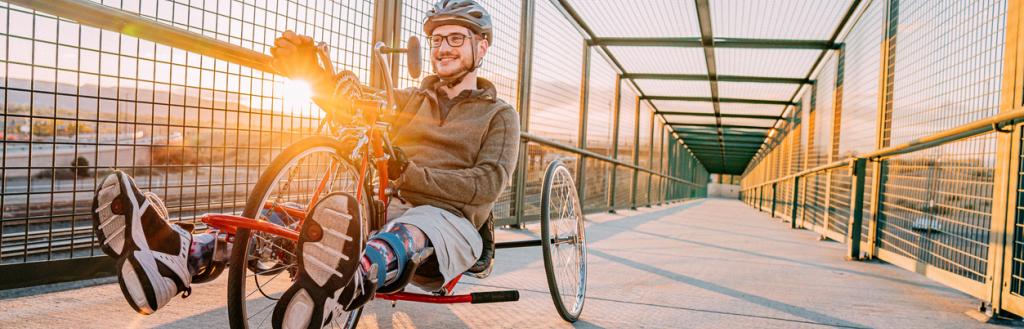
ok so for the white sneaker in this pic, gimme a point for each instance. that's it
(330, 243)
(152, 254)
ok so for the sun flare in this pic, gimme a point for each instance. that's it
(296, 93)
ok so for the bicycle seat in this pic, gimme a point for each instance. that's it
(483, 266)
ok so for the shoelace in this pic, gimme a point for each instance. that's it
(338, 306)
(359, 277)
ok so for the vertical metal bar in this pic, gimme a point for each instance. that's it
(1005, 200)
(1004, 217)
(803, 217)
(833, 146)
(385, 29)
(670, 152)
(775, 199)
(650, 160)
(581, 166)
(617, 100)
(796, 205)
(885, 88)
(636, 155)
(396, 36)
(523, 102)
(856, 210)
(760, 198)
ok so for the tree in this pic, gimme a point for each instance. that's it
(80, 167)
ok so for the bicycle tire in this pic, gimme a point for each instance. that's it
(557, 176)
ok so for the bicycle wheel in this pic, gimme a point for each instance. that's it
(564, 241)
(263, 266)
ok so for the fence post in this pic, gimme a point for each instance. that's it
(796, 204)
(856, 210)
(1004, 239)
(617, 100)
(581, 167)
(386, 26)
(774, 197)
(634, 183)
(523, 103)
(760, 198)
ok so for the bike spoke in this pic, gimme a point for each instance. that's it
(274, 245)
(261, 311)
(567, 241)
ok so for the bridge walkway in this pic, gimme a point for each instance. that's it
(710, 263)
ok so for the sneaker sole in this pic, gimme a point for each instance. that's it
(112, 230)
(140, 279)
(326, 269)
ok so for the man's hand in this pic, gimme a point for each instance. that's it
(397, 163)
(296, 57)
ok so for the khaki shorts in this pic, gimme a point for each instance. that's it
(457, 243)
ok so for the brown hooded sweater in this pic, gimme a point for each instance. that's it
(460, 161)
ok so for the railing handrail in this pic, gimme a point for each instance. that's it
(120, 21)
(544, 141)
(958, 133)
(116, 20)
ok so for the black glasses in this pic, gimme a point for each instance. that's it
(455, 40)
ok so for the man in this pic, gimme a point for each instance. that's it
(456, 147)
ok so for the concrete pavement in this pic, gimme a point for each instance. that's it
(702, 264)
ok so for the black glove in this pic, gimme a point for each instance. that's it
(397, 163)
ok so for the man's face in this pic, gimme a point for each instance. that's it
(449, 61)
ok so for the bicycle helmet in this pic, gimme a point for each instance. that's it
(467, 13)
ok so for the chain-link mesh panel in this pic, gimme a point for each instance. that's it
(936, 204)
(820, 137)
(859, 123)
(557, 68)
(644, 130)
(626, 144)
(600, 116)
(600, 104)
(80, 102)
(538, 158)
(598, 176)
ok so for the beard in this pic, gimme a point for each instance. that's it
(460, 65)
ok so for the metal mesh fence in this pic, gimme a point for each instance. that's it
(944, 70)
(80, 102)
(600, 118)
(626, 145)
(645, 122)
(859, 123)
(936, 204)
(820, 139)
(557, 67)
(785, 189)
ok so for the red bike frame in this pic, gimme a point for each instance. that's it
(369, 112)
(230, 224)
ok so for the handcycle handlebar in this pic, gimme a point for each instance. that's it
(370, 107)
